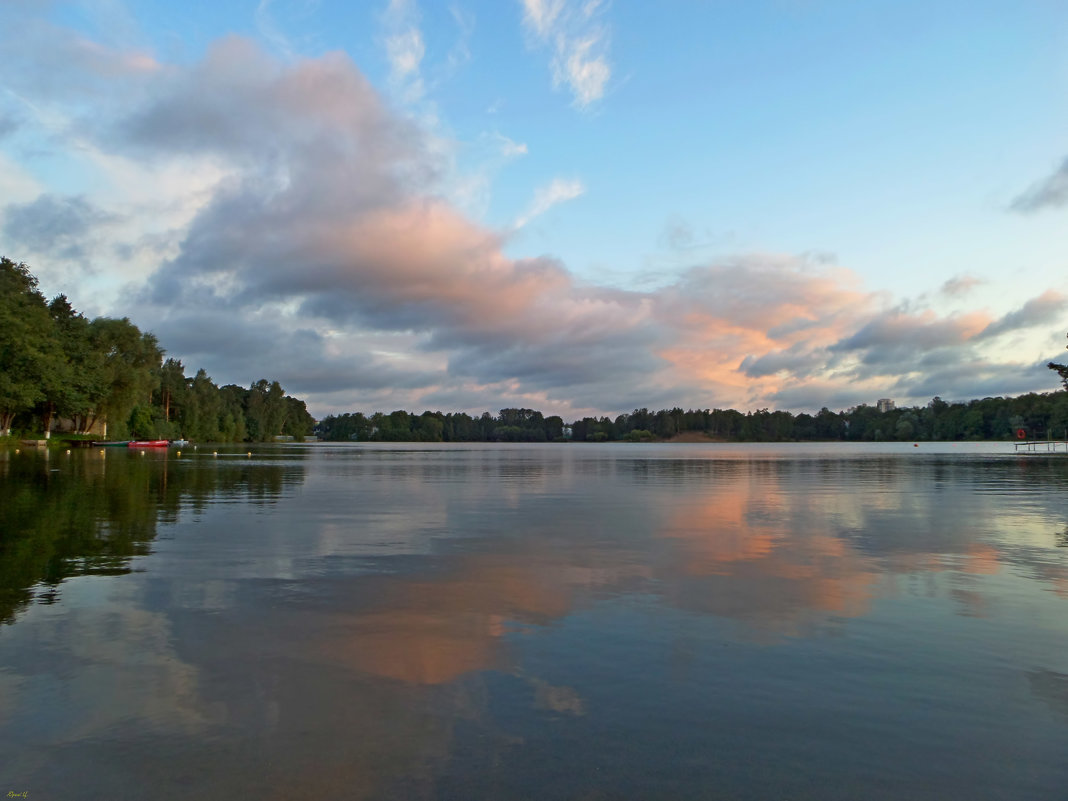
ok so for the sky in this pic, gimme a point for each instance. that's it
(577, 206)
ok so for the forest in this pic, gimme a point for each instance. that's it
(58, 365)
(1039, 415)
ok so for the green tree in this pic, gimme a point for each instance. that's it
(173, 387)
(297, 423)
(131, 368)
(81, 375)
(265, 410)
(1061, 370)
(29, 349)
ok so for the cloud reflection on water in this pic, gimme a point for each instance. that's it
(365, 645)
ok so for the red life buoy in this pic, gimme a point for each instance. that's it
(1021, 434)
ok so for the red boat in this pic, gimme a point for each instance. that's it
(148, 443)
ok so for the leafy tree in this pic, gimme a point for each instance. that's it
(29, 349)
(80, 375)
(1061, 370)
(131, 367)
(297, 423)
(173, 386)
(265, 410)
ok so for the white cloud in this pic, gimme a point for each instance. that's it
(509, 148)
(461, 52)
(541, 15)
(405, 48)
(269, 30)
(578, 42)
(545, 197)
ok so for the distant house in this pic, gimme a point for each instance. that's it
(884, 404)
(567, 432)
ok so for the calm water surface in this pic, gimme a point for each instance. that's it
(542, 622)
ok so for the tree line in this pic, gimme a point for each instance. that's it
(1038, 415)
(511, 425)
(55, 363)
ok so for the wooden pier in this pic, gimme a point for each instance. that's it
(1042, 446)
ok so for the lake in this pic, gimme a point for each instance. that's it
(535, 622)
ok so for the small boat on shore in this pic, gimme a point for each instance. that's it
(180, 443)
(112, 443)
(148, 443)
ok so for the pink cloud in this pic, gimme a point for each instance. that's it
(329, 222)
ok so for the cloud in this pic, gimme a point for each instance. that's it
(798, 360)
(51, 63)
(304, 360)
(508, 148)
(579, 45)
(971, 377)
(960, 285)
(55, 227)
(1045, 309)
(405, 48)
(897, 330)
(9, 123)
(316, 246)
(1051, 192)
(677, 234)
(460, 53)
(559, 190)
(268, 28)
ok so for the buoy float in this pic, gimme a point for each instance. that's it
(178, 453)
(68, 451)
(249, 453)
(214, 453)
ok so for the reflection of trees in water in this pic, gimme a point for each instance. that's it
(1060, 539)
(90, 513)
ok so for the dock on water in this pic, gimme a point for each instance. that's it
(1042, 446)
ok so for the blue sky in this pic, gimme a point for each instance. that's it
(576, 206)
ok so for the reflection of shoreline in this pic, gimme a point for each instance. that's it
(92, 512)
(372, 665)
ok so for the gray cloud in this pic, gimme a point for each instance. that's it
(1043, 310)
(9, 123)
(895, 333)
(227, 346)
(677, 234)
(54, 64)
(817, 396)
(60, 227)
(977, 378)
(1051, 192)
(960, 285)
(799, 361)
